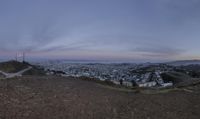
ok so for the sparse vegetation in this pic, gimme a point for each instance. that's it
(35, 71)
(175, 77)
(13, 66)
(106, 82)
(41, 97)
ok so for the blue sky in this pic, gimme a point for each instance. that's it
(124, 30)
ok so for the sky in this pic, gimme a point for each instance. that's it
(114, 30)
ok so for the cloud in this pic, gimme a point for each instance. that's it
(158, 51)
(29, 25)
(157, 28)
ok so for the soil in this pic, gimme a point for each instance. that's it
(51, 97)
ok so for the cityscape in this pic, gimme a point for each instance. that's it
(127, 74)
(99, 59)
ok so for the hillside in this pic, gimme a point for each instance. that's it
(36, 70)
(180, 79)
(11, 69)
(36, 97)
(12, 66)
(176, 77)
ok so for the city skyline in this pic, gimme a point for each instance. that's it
(129, 30)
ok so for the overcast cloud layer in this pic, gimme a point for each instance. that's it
(101, 29)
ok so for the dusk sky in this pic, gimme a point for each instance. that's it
(120, 30)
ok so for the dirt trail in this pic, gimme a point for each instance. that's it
(11, 75)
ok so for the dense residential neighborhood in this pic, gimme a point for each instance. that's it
(128, 74)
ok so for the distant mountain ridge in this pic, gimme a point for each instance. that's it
(184, 62)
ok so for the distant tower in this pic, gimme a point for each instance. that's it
(16, 56)
(20, 57)
(23, 56)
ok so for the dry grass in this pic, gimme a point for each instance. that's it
(68, 98)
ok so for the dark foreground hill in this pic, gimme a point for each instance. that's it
(51, 97)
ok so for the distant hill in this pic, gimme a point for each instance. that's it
(176, 77)
(13, 66)
(183, 62)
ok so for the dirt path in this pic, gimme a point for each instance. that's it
(11, 75)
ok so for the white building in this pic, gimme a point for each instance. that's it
(147, 84)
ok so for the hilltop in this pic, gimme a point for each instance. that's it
(13, 66)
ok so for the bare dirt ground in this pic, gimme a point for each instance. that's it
(51, 97)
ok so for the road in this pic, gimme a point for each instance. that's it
(11, 75)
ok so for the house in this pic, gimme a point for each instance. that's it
(127, 83)
(167, 84)
(147, 84)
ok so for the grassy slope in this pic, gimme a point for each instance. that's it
(12, 66)
(69, 98)
(35, 71)
(180, 79)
